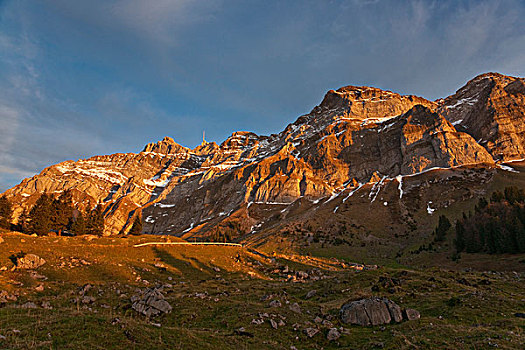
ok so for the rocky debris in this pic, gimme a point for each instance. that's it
(375, 311)
(273, 324)
(242, 332)
(28, 261)
(333, 334)
(411, 314)
(275, 303)
(310, 332)
(6, 297)
(310, 294)
(46, 305)
(295, 308)
(39, 288)
(72, 262)
(29, 305)
(87, 299)
(84, 289)
(37, 276)
(150, 303)
(1, 240)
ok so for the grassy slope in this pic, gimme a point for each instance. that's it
(483, 315)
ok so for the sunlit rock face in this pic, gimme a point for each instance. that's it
(356, 135)
(491, 108)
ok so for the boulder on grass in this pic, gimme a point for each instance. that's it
(150, 303)
(375, 311)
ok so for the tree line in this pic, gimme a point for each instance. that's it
(497, 226)
(50, 214)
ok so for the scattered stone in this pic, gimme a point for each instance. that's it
(242, 331)
(273, 324)
(84, 289)
(29, 261)
(150, 303)
(411, 314)
(216, 269)
(281, 323)
(310, 294)
(310, 332)
(86, 299)
(46, 305)
(371, 312)
(29, 305)
(5, 297)
(327, 323)
(1, 240)
(275, 303)
(301, 275)
(37, 276)
(318, 319)
(160, 266)
(295, 308)
(333, 334)
(39, 288)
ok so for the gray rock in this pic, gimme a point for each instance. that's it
(151, 303)
(310, 332)
(411, 314)
(333, 334)
(29, 261)
(275, 303)
(371, 312)
(273, 324)
(310, 294)
(29, 305)
(295, 308)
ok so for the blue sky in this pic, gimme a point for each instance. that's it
(80, 78)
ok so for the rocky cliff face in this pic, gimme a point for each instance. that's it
(491, 108)
(356, 135)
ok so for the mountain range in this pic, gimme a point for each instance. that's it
(364, 166)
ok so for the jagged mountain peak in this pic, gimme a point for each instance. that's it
(367, 102)
(166, 146)
(356, 135)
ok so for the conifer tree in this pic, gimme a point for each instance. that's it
(95, 222)
(40, 216)
(78, 226)
(6, 213)
(460, 236)
(442, 228)
(62, 212)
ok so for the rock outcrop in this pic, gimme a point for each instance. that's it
(29, 261)
(491, 108)
(375, 311)
(150, 303)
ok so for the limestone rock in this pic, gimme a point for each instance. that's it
(411, 314)
(29, 261)
(150, 303)
(371, 312)
(333, 334)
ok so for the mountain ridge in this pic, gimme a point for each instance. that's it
(356, 135)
